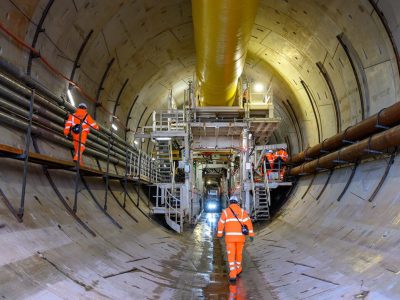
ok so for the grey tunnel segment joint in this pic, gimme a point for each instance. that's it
(39, 29)
(384, 176)
(353, 171)
(10, 207)
(77, 64)
(325, 184)
(59, 195)
(98, 203)
(358, 71)
(28, 139)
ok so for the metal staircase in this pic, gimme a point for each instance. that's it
(163, 149)
(168, 202)
(261, 203)
(168, 126)
(173, 209)
(262, 199)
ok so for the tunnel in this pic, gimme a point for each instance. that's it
(71, 232)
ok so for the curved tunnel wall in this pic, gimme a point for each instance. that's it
(328, 247)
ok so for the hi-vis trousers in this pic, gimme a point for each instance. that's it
(234, 251)
(75, 138)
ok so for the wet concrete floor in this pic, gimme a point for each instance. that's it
(208, 256)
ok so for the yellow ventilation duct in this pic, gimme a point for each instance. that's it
(222, 30)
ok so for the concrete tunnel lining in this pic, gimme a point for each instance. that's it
(316, 249)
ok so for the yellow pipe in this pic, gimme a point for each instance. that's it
(222, 30)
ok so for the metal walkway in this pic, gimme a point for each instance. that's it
(54, 163)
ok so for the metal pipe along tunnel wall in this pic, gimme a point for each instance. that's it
(337, 236)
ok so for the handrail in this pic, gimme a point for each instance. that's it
(171, 161)
(172, 196)
(169, 120)
(253, 189)
(266, 184)
(168, 206)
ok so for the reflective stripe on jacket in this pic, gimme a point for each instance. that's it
(233, 229)
(76, 118)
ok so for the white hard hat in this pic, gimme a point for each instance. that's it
(233, 199)
(270, 151)
(82, 105)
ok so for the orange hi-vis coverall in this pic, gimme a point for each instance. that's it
(281, 156)
(270, 158)
(74, 119)
(234, 237)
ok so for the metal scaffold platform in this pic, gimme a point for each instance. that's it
(54, 163)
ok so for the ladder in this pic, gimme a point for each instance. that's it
(164, 159)
(261, 203)
(262, 199)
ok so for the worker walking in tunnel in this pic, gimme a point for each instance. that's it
(79, 124)
(237, 224)
(281, 157)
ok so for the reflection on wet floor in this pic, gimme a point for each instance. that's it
(209, 258)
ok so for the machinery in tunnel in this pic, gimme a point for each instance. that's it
(188, 92)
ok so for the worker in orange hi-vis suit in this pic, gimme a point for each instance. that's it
(269, 163)
(79, 131)
(281, 157)
(233, 219)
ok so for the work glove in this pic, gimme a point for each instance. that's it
(252, 239)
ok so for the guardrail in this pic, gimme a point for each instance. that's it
(169, 120)
(143, 166)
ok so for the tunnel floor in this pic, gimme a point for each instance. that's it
(322, 249)
(209, 258)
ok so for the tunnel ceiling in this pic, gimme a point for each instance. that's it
(151, 47)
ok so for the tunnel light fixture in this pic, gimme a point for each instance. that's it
(70, 98)
(163, 138)
(136, 142)
(114, 127)
(258, 87)
(211, 206)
